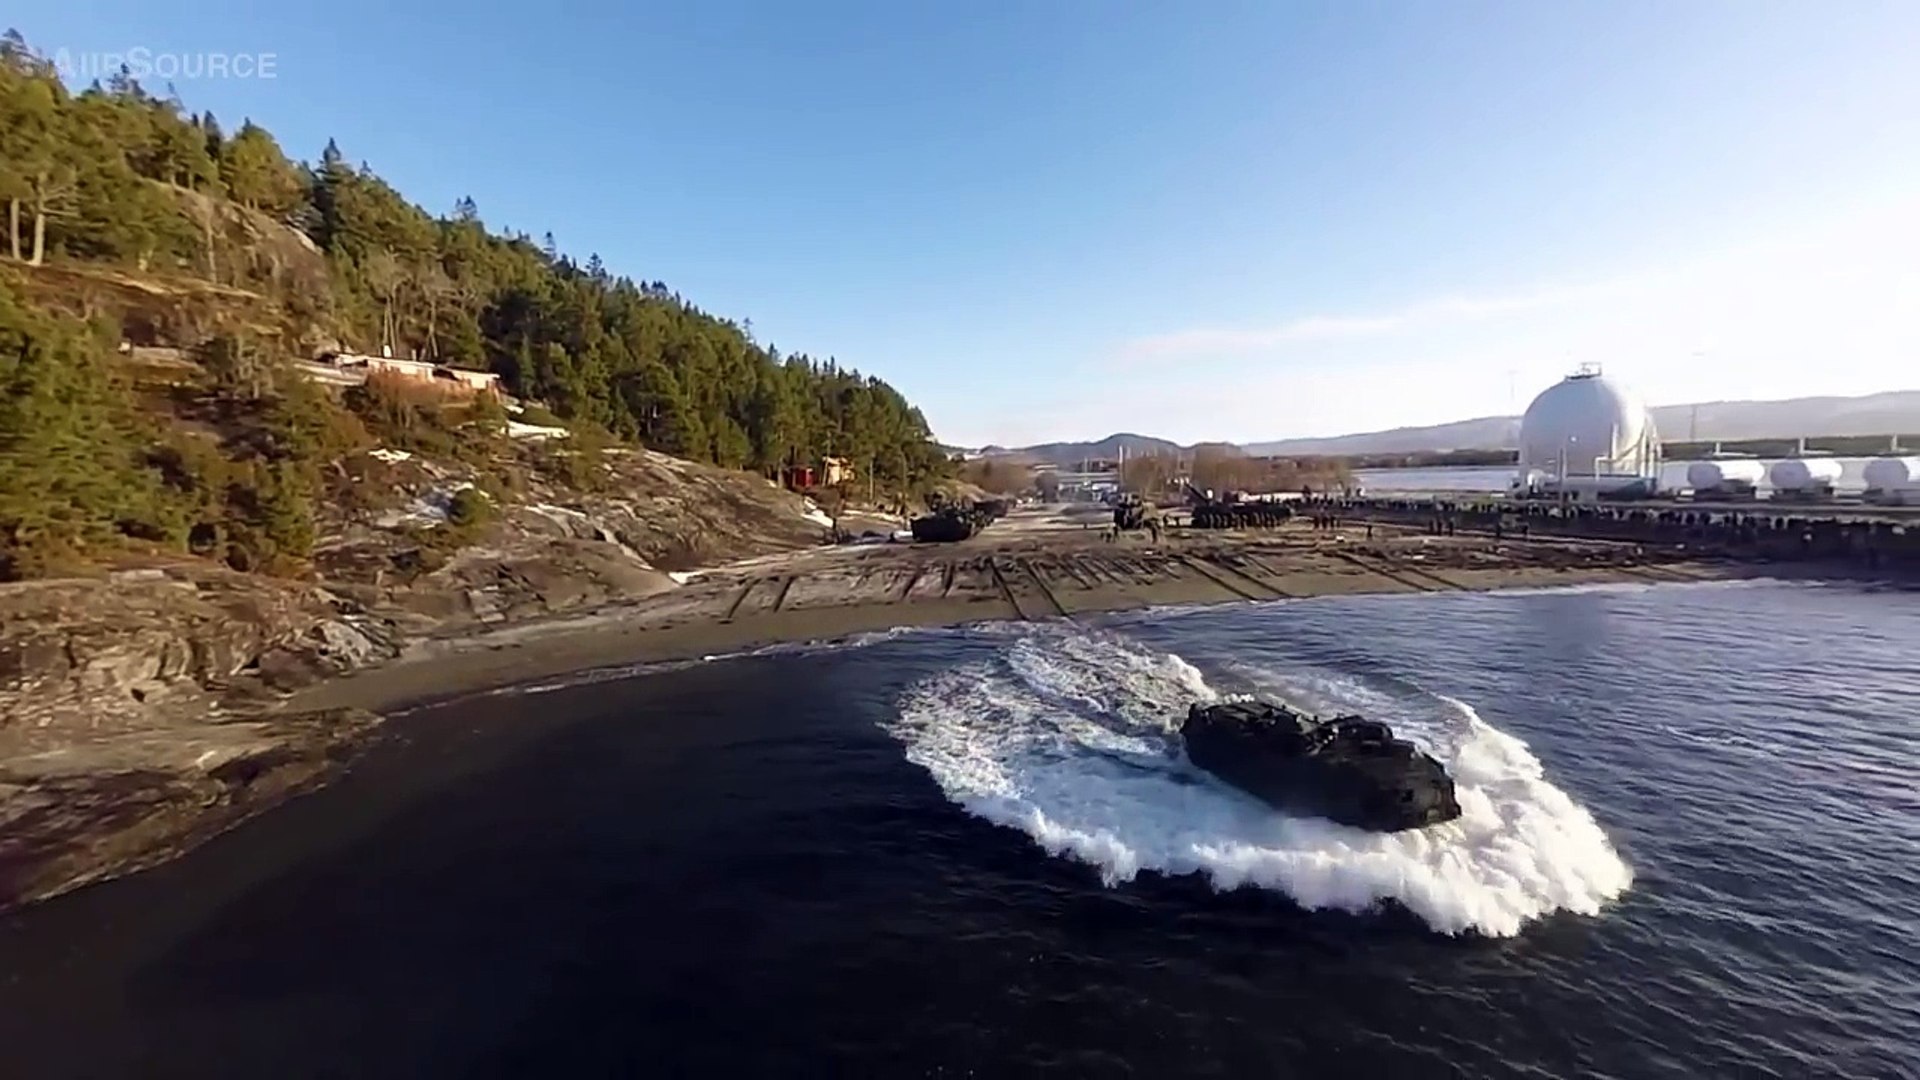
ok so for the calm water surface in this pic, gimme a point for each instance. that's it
(1691, 847)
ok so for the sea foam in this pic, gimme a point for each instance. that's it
(1071, 736)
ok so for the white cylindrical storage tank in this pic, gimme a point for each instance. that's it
(1715, 475)
(1804, 474)
(1893, 474)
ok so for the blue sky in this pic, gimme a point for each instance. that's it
(1058, 219)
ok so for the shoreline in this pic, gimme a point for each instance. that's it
(94, 810)
(834, 594)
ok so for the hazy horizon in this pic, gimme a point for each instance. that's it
(1486, 417)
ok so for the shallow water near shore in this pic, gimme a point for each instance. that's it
(1691, 846)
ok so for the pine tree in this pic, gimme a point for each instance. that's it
(257, 175)
(70, 467)
(210, 131)
(664, 418)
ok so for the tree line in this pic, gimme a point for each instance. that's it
(117, 175)
(1221, 468)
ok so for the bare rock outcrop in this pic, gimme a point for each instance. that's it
(677, 514)
(111, 804)
(551, 549)
(147, 648)
(135, 713)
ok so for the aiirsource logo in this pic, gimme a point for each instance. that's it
(141, 62)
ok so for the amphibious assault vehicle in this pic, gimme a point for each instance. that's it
(946, 525)
(950, 522)
(1347, 769)
(1231, 513)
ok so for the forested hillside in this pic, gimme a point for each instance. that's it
(115, 179)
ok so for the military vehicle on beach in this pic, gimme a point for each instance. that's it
(946, 525)
(948, 522)
(1130, 512)
(1233, 512)
(1347, 769)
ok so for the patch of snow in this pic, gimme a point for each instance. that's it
(814, 514)
(681, 577)
(556, 513)
(391, 457)
(518, 430)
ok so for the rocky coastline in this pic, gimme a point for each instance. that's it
(146, 711)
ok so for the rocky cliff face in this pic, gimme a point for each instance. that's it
(100, 657)
(554, 548)
(130, 712)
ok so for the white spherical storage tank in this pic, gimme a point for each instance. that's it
(1708, 475)
(1893, 474)
(1587, 425)
(1801, 474)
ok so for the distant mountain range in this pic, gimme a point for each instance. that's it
(1071, 454)
(1895, 411)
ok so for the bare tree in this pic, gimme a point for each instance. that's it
(1223, 468)
(385, 277)
(1149, 475)
(436, 291)
(51, 195)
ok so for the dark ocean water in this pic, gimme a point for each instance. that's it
(1691, 847)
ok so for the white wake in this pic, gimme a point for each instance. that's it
(1072, 737)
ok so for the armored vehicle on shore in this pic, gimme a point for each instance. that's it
(1235, 513)
(1347, 769)
(946, 525)
(949, 522)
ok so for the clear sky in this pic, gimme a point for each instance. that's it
(1056, 219)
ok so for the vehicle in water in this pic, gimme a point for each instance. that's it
(1347, 769)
